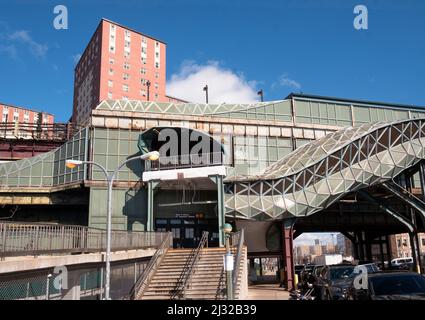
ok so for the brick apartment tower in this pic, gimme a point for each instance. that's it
(118, 63)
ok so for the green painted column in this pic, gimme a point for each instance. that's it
(218, 180)
(152, 184)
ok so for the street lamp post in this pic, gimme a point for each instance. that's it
(261, 94)
(206, 93)
(228, 262)
(152, 156)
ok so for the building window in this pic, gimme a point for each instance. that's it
(156, 85)
(127, 33)
(109, 95)
(157, 44)
(144, 61)
(110, 83)
(144, 50)
(126, 76)
(143, 93)
(112, 49)
(157, 65)
(111, 61)
(126, 54)
(126, 65)
(143, 71)
(157, 54)
(156, 75)
(127, 44)
(156, 96)
(111, 71)
(125, 88)
(143, 81)
(144, 40)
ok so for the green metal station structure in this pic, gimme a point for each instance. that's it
(276, 169)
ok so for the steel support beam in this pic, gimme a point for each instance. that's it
(221, 210)
(386, 209)
(152, 185)
(287, 254)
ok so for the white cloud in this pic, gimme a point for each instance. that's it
(37, 49)
(285, 81)
(224, 85)
(76, 57)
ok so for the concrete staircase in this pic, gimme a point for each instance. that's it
(208, 279)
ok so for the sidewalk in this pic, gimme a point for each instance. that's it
(267, 292)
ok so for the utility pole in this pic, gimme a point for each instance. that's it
(206, 93)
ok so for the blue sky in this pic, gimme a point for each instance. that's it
(280, 46)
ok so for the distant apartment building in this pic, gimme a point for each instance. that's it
(22, 120)
(401, 245)
(119, 63)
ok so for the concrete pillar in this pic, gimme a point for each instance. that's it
(388, 246)
(72, 292)
(287, 254)
(381, 250)
(152, 184)
(416, 254)
(221, 210)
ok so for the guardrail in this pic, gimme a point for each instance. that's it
(18, 239)
(188, 270)
(187, 161)
(34, 131)
(143, 282)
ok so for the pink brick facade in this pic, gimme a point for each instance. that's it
(119, 63)
(15, 114)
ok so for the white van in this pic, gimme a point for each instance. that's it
(401, 261)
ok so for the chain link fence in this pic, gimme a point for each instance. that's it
(41, 285)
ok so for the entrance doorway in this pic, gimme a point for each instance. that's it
(187, 232)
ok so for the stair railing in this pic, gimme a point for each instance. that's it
(188, 269)
(238, 245)
(144, 279)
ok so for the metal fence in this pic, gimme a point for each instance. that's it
(34, 239)
(34, 131)
(40, 285)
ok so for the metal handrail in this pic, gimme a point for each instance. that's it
(44, 131)
(188, 270)
(17, 239)
(240, 235)
(143, 281)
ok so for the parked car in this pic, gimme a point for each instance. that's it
(391, 286)
(334, 282)
(371, 267)
(402, 263)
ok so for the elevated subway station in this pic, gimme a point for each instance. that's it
(276, 169)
